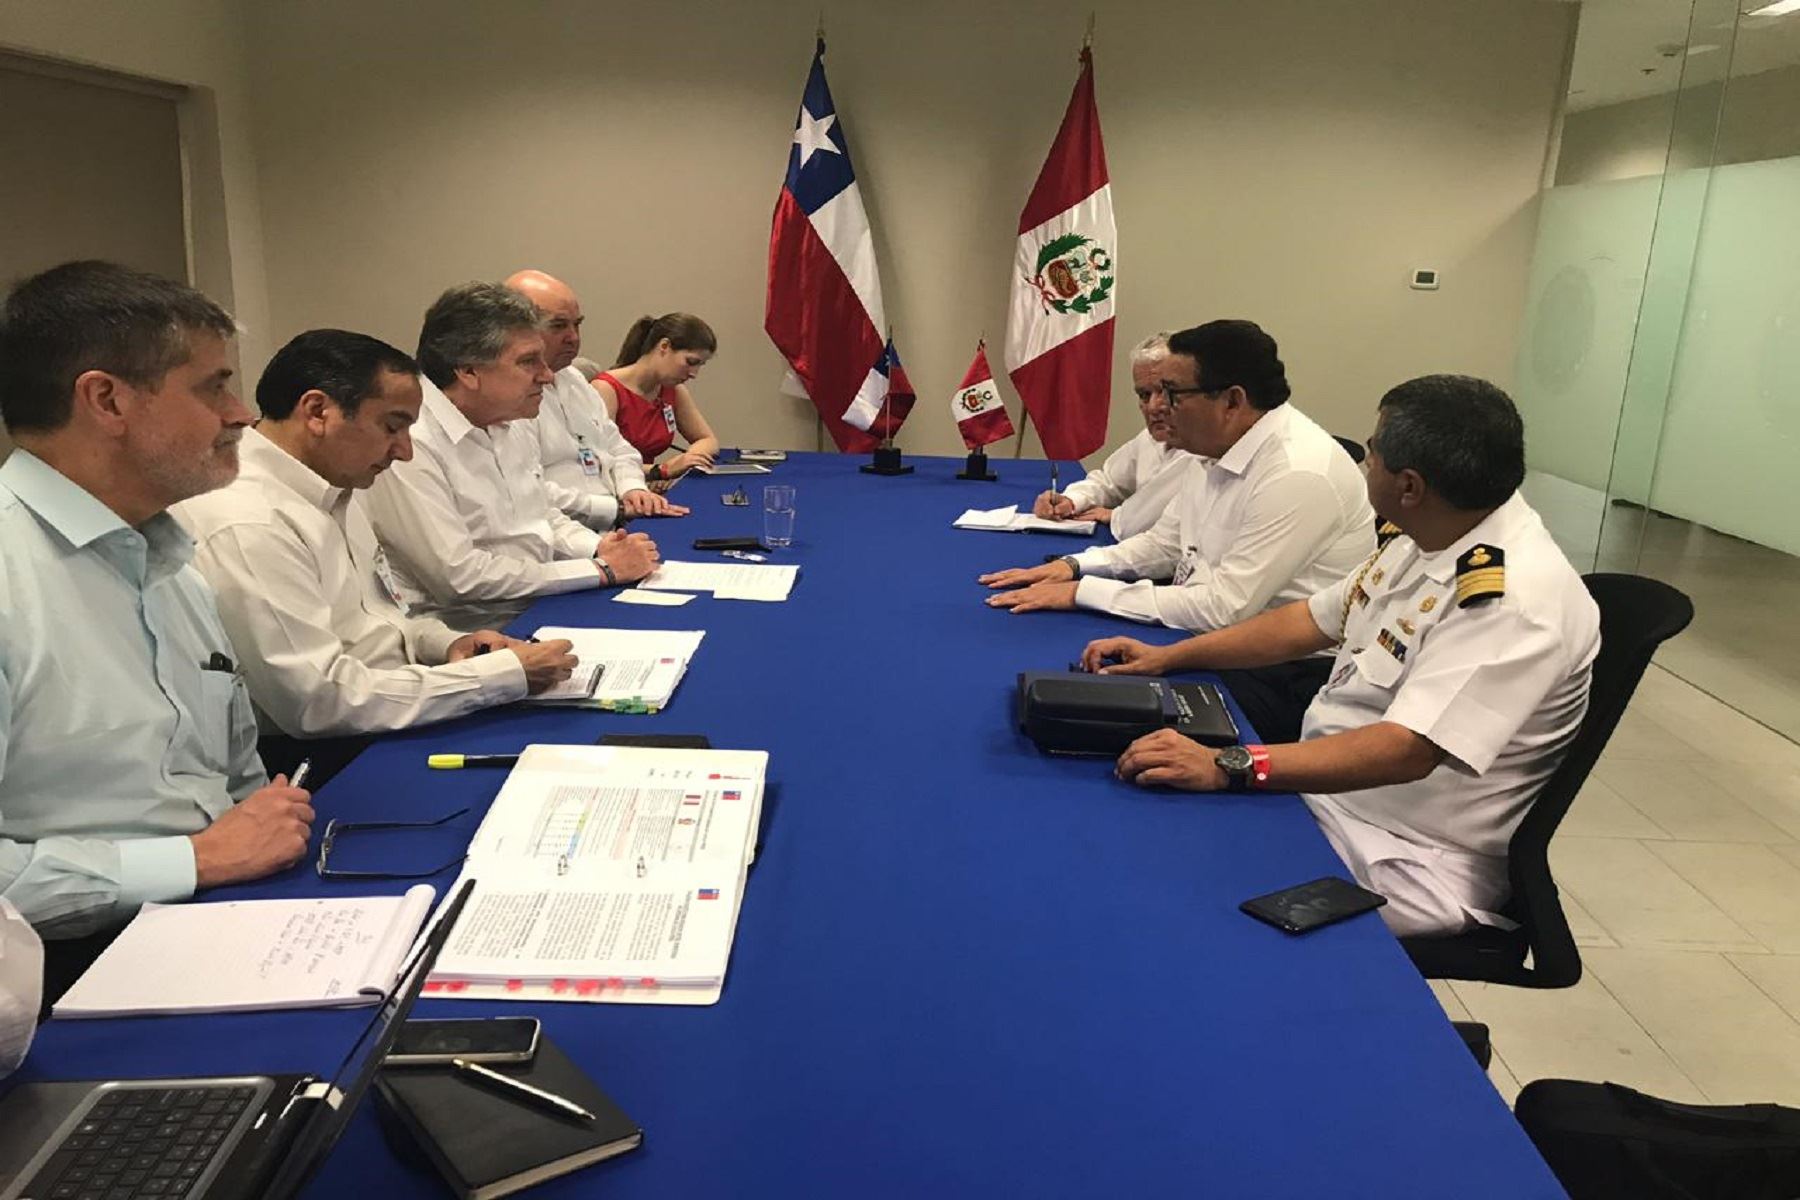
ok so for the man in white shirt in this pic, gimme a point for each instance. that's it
(468, 526)
(1136, 483)
(128, 769)
(1276, 512)
(591, 472)
(1463, 647)
(305, 590)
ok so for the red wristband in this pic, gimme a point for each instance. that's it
(1259, 766)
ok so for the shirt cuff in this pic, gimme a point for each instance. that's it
(603, 511)
(1094, 558)
(572, 574)
(500, 674)
(433, 641)
(1097, 593)
(155, 870)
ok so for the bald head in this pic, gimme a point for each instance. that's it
(557, 303)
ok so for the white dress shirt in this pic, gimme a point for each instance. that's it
(305, 593)
(1500, 686)
(1281, 515)
(1137, 481)
(468, 527)
(116, 740)
(588, 464)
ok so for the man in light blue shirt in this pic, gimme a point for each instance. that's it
(128, 769)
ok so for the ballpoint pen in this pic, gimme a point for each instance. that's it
(298, 779)
(523, 1090)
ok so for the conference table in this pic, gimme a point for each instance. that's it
(962, 967)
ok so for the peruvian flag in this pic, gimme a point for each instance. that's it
(1059, 335)
(824, 300)
(980, 416)
(885, 397)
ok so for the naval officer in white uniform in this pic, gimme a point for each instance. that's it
(1464, 651)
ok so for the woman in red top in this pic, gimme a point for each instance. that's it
(658, 357)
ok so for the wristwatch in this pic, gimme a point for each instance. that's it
(1073, 563)
(1245, 767)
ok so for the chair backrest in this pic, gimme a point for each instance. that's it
(1636, 616)
(1352, 447)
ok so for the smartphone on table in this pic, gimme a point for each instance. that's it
(479, 1040)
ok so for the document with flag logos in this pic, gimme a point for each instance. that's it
(608, 874)
(639, 668)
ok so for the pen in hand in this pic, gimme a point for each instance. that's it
(298, 779)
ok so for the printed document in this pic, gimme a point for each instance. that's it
(726, 581)
(639, 668)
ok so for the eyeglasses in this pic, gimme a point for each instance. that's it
(1174, 394)
(335, 829)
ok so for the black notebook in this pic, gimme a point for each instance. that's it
(488, 1144)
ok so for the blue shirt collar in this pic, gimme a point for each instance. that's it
(80, 519)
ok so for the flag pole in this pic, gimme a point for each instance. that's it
(1024, 424)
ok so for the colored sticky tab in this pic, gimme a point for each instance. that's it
(433, 986)
(615, 981)
(559, 986)
(456, 985)
(587, 987)
(646, 981)
(515, 985)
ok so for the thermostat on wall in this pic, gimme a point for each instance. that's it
(1425, 279)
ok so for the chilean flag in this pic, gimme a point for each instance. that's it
(885, 398)
(1059, 336)
(824, 301)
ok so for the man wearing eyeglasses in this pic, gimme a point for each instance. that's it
(1137, 482)
(1278, 513)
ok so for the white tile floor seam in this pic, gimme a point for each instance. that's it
(1679, 866)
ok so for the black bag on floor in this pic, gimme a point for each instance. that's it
(1607, 1142)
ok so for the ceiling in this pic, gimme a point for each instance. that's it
(1629, 49)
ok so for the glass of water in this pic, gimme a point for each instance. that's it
(778, 515)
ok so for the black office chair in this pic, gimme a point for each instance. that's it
(1636, 616)
(1352, 447)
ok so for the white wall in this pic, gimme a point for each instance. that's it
(1288, 161)
(199, 44)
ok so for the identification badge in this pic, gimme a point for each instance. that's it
(669, 417)
(390, 586)
(1184, 570)
(590, 462)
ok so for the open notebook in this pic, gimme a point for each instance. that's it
(1011, 520)
(250, 955)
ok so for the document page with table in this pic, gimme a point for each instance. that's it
(608, 873)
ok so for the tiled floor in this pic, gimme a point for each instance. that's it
(1679, 866)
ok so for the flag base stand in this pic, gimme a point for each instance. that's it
(886, 462)
(977, 468)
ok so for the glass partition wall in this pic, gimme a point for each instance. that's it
(1659, 364)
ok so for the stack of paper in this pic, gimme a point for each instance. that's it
(1011, 520)
(639, 668)
(726, 581)
(249, 955)
(607, 873)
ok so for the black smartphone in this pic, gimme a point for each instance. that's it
(1310, 905)
(481, 1040)
(730, 543)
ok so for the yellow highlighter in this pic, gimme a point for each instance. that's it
(451, 762)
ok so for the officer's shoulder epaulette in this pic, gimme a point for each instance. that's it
(1480, 575)
(1386, 532)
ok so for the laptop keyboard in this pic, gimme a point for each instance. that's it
(142, 1142)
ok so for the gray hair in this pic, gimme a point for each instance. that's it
(1150, 349)
(469, 324)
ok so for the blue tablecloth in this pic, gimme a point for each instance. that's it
(962, 968)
